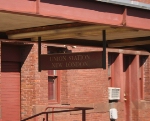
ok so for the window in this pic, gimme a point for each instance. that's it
(53, 86)
(54, 78)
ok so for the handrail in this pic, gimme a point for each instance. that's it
(71, 109)
(33, 116)
(57, 107)
(62, 107)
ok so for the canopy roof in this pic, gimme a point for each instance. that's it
(77, 24)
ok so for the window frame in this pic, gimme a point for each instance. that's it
(55, 74)
(57, 87)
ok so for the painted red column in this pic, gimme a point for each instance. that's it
(118, 75)
(135, 90)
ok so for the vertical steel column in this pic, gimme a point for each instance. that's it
(39, 54)
(83, 115)
(104, 49)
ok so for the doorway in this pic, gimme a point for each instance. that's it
(10, 83)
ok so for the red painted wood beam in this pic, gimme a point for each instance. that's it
(138, 18)
(86, 11)
(21, 6)
(83, 11)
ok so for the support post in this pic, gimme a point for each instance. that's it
(39, 54)
(104, 49)
(83, 115)
(52, 114)
(46, 116)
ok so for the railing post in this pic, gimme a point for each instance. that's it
(46, 116)
(83, 115)
(52, 114)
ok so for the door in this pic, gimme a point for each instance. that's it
(10, 84)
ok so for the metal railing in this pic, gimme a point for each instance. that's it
(67, 109)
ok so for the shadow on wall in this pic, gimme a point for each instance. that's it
(25, 50)
(128, 60)
(13, 56)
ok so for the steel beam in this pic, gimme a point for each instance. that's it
(39, 54)
(104, 50)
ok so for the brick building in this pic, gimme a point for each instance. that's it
(74, 26)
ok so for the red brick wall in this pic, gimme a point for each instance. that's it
(79, 88)
(144, 105)
(141, 109)
(85, 88)
(27, 81)
(64, 87)
(144, 111)
(33, 83)
(147, 80)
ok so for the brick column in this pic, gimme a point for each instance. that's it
(33, 83)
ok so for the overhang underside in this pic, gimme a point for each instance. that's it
(60, 31)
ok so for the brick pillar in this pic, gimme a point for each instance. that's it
(27, 81)
(147, 79)
(33, 83)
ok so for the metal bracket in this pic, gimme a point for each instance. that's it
(104, 49)
(39, 54)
